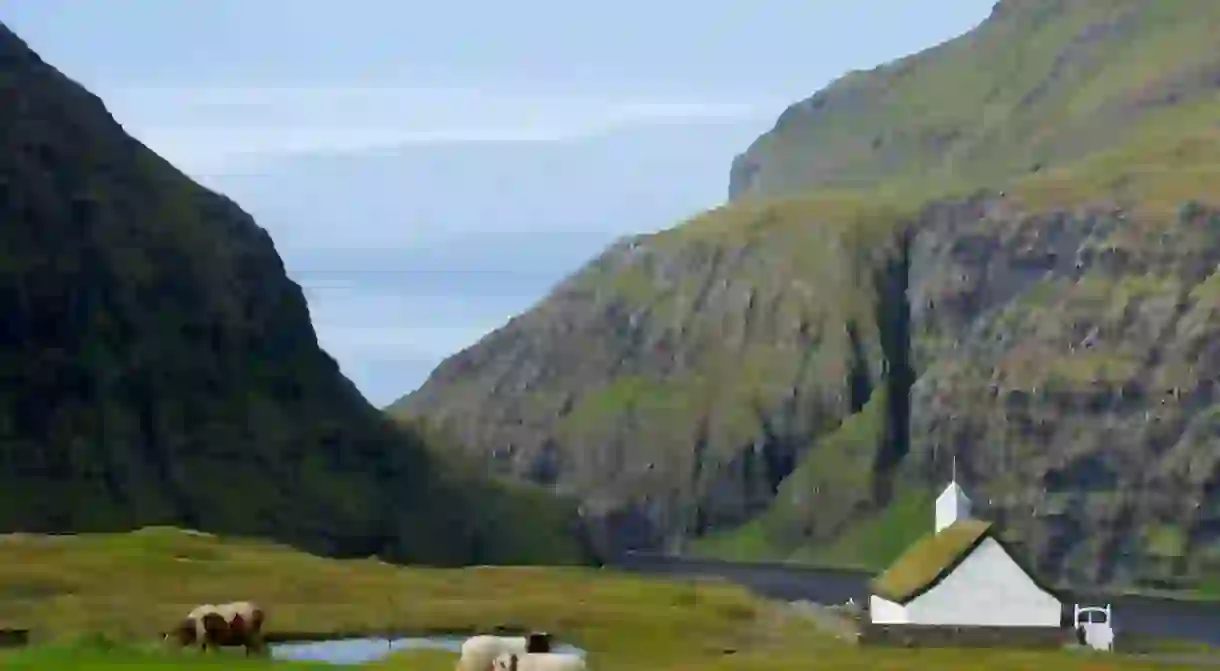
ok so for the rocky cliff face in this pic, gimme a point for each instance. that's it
(1002, 253)
(157, 366)
(673, 383)
(1073, 370)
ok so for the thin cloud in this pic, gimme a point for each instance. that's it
(408, 343)
(226, 130)
(358, 302)
(360, 322)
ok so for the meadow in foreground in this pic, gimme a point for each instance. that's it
(76, 591)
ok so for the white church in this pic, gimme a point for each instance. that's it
(962, 574)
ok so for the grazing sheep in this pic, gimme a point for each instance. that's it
(189, 630)
(539, 661)
(245, 625)
(479, 651)
(231, 624)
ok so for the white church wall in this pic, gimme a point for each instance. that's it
(884, 611)
(987, 589)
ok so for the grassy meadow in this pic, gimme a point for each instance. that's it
(98, 601)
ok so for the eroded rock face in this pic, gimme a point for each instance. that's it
(1081, 397)
(640, 401)
(1065, 357)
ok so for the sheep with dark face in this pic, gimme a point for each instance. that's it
(479, 652)
(225, 625)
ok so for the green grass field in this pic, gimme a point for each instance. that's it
(86, 657)
(98, 601)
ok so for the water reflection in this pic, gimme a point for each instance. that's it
(361, 650)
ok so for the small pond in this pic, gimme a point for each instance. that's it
(361, 650)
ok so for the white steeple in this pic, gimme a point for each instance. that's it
(952, 505)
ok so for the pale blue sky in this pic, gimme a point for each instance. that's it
(429, 169)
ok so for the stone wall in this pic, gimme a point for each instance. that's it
(931, 636)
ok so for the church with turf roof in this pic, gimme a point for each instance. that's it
(962, 574)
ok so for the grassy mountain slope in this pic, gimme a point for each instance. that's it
(1039, 83)
(158, 366)
(1000, 249)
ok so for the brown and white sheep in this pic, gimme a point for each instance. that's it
(239, 623)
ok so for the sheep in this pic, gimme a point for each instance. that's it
(245, 624)
(229, 624)
(479, 651)
(189, 629)
(539, 661)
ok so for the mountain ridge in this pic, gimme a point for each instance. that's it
(1035, 85)
(159, 366)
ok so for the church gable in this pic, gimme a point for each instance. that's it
(929, 560)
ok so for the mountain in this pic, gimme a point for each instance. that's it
(1039, 83)
(996, 256)
(157, 366)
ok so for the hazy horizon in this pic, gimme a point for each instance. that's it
(428, 172)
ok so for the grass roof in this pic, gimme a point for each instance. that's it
(929, 560)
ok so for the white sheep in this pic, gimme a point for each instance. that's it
(479, 651)
(540, 661)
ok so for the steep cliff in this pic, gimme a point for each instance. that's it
(157, 366)
(999, 250)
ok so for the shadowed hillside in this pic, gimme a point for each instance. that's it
(1002, 249)
(158, 366)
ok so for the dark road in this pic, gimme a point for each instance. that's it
(1143, 615)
